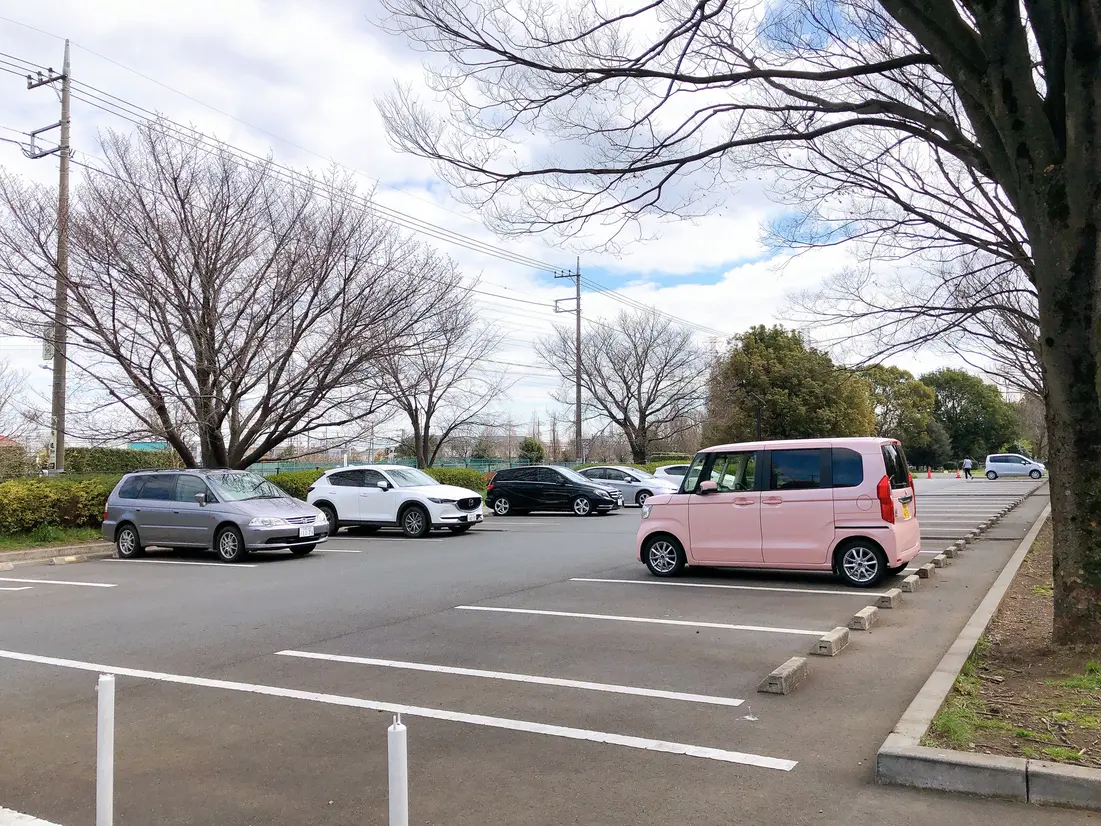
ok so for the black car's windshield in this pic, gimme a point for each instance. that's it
(574, 476)
(410, 477)
(235, 486)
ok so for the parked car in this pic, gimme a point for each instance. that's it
(231, 511)
(840, 505)
(519, 490)
(1013, 464)
(635, 485)
(376, 496)
(671, 473)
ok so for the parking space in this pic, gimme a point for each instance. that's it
(537, 656)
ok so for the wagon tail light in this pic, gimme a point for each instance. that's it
(489, 487)
(886, 503)
(913, 495)
(309, 489)
(105, 513)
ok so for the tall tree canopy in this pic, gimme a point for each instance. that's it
(977, 418)
(800, 391)
(974, 125)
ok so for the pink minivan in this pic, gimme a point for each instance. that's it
(841, 505)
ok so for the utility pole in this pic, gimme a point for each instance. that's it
(59, 339)
(576, 276)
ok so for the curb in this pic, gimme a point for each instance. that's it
(903, 761)
(56, 555)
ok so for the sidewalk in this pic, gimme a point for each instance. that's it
(10, 818)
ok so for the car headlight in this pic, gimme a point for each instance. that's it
(604, 494)
(436, 501)
(646, 510)
(320, 519)
(267, 522)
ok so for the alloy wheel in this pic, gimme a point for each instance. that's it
(582, 506)
(663, 556)
(860, 564)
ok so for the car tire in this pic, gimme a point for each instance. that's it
(898, 569)
(303, 550)
(330, 517)
(415, 522)
(458, 529)
(663, 556)
(991, 475)
(641, 497)
(229, 544)
(1034, 474)
(127, 542)
(582, 506)
(502, 506)
(860, 563)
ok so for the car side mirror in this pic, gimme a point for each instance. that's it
(708, 487)
(201, 499)
(383, 484)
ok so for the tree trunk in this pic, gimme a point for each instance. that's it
(1068, 281)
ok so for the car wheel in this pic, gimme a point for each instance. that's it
(663, 555)
(229, 544)
(582, 506)
(415, 522)
(641, 497)
(331, 518)
(861, 564)
(1035, 474)
(991, 475)
(303, 550)
(127, 543)
(897, 569)
(501, 506)
(457, 529)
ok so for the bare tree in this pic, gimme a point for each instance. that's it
(642, 372)
(652, 109)
(220, 303)
(15, 419)
(439, 382)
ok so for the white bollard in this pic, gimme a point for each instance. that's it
(399, 773)
(105, 751)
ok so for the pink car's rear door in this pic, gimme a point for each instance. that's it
(797, 523)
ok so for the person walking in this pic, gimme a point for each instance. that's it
(967, 465)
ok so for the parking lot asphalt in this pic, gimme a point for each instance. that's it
(545, 678)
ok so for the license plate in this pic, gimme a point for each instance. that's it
(305, 530)
(905, 511)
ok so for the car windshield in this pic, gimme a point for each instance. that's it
(574, 476)
(410, 477)
(235, 486)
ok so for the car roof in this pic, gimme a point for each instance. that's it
(203, 471)
(847, 441)
(370, 467)
(612, 467)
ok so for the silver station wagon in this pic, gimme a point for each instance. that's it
(231, 511)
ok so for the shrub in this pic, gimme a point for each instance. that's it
(117, 460)
(460, 477)
(27, 504)
(297, 482)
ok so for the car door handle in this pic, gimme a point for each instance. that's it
(773, 500)
(742, 500)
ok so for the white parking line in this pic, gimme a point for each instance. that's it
(24, 588)
(520, 678)
(59, 582)
(653, 620)
(607, 738)
(13, 818)
(397, 539)
(226, 565)
(732, 587)
(336, 551)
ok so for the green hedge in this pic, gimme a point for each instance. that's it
(117, 460)
(26, 504)
(296, 482)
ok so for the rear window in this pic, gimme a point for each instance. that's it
(516, 474)
(131, 487)
(894, 461)
(796, 469)
(848, 468)
(347, 479)
(161, 487)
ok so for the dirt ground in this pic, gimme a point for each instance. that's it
(1018, 695)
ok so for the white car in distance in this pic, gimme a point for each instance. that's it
(672, 473)
(377, 496)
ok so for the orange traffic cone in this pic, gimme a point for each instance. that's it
(958, 476)
(929, 473)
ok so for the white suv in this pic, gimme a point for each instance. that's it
(375, 496)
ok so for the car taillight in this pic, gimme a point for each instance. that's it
(105, 513)
(489, 487)
(309, 489)
(913, 495)
(886, 503)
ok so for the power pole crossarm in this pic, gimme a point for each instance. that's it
(61, 283)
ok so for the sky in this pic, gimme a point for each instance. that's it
(299, 80)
